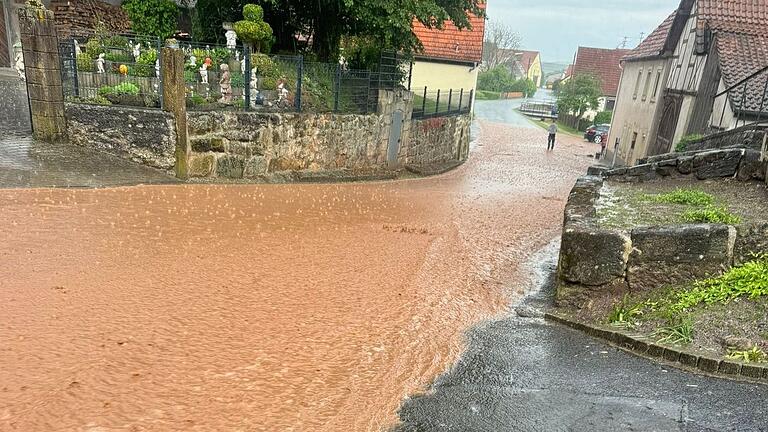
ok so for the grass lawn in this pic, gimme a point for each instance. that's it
(418, 102)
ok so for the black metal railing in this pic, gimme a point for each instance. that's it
(435, 103)
(122, 69)
(744, 103)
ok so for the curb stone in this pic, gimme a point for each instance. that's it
(641, 346)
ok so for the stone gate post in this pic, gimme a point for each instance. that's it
(43, 71)
(175, 102)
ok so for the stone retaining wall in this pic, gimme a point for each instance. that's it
(750, 137)
(144, 136)
(596, 262)
(277, 147)
(240, 145)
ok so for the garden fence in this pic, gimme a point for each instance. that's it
(434, 103)
(123, 69)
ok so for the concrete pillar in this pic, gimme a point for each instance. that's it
(175, 102)
(43, 70)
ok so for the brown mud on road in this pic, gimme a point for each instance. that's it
(278, 307)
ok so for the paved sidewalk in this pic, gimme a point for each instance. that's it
(525, 374)
(25, 162)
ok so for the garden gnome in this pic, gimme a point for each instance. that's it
(78, 51)
(282, 92)
(204, 73)
(193, 60)
(254, 87)
(157, 68)
(20, 65)
(231, 36)
(225, 83)
(137, 51)
(100, 64)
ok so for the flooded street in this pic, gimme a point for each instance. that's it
(265, 307)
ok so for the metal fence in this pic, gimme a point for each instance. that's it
(742, 104)
(124, 69)
(121, 69)
(434, 103)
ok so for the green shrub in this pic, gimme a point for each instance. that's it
(93, 48)
(98, 100)
(713, 215)
(690, 197)
(115, 42)
(253, 29)
(749, 280)
(125, 88)
(145, 65)
(85, 62)
(682, 145)
(487, 95)
(152, 17)
(604, 117)
(119, 57)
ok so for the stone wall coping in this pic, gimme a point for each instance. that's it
(676, 357)
(73, 105)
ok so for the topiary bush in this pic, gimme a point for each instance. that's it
(85, 63)
(253, 29)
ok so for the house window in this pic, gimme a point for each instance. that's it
(656, 86)
(637, 83)
(634, 140)
(647, 85)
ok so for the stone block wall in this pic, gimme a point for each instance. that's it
(596, 262)
(438, 141)
(240, 145)
(750, 137)
(144, 136)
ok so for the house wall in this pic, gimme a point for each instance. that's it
(535, 72)
(637, 107)
(443, 76)
(723, 117)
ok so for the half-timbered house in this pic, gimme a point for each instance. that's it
(685, 77)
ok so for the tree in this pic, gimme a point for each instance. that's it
(389, 22)
(500, 45)
(579, 94)
(253, 29)
(152, 17)
(498, 79)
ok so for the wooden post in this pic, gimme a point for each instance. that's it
(42, 65)
(175, 102)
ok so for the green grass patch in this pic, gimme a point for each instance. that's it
(691, 197)
(678, 331)
(749, 280)
(487, 95)
(682, 145)
(561, 128)
(712, 215)
(625, 315)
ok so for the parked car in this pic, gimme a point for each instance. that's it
(594, 133)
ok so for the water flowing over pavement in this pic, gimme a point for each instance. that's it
(265, 307)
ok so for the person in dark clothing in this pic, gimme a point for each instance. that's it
(552, 136)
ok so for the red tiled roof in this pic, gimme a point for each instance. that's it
(604, 64)
(450, 43)
(654, 44)
(526, 59)
(748, 16)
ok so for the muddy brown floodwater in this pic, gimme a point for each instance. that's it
(265, 308)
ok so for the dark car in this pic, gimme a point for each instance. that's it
(594, 133)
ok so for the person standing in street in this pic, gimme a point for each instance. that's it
(552, 136)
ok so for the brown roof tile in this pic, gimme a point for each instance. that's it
(741, 55)
(450, 43)
(604, 64)
(654, 44)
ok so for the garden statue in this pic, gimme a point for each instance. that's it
(282, 92)
(225, 83)
(78, 51)
(237, 55)
(20, 65)
(231, 36)
(254, 87)
(204, 73)
(193, 60)
(100, 64)
(137, 51)
(157, 68)
(242, 66)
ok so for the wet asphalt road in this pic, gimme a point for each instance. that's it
(525, 374)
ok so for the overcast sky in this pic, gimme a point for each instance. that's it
(558, 27)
